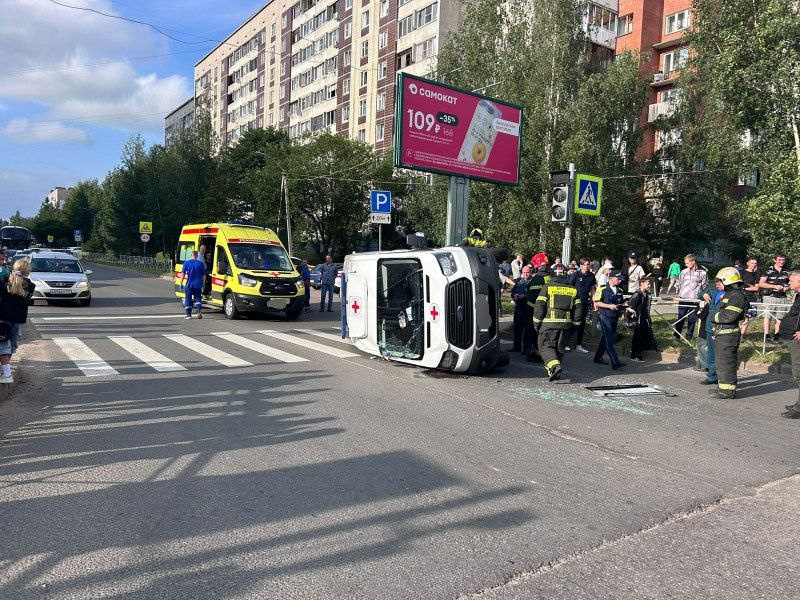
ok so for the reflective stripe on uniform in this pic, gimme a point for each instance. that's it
(554, 320)
(541, 299)
(733, 308)
(727, 330)
(535, 320)
(727, 386)
(552, 363)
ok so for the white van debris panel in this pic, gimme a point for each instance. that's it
(629, 389)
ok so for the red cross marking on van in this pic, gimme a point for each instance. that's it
(435, 312)
(355, 307)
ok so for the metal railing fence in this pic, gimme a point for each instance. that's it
(147, 264)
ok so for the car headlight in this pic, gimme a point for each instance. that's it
(37, 282)
(247, 281)
(300, 285)
(447, 263)
(82, 285)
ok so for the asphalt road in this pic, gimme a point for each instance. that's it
(237, 469)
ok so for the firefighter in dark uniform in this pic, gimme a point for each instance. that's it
(541, 276)
(556, 311)
(731, 311)
(475, 239)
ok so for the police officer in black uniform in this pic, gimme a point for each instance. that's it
(556, 311)
(731, 311)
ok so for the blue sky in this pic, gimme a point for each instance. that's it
(69, 123)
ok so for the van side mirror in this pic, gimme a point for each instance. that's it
(87, 271)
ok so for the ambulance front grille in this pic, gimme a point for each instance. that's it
(459, 316)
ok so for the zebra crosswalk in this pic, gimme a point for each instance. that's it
(165, 353)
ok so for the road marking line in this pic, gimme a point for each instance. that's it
(106, 318)
(209, 352)
(146, 354)
(328, 336)
(311, 345)
(260, 348)
(84, 358)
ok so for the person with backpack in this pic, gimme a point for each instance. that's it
(541, 275)
(15, 298)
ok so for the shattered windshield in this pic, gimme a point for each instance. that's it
(400, 313)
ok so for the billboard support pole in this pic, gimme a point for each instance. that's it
(566, 250)
(457, 210)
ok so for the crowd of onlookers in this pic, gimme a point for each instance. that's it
(608, 294)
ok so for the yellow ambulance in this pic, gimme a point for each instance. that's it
(248, 269)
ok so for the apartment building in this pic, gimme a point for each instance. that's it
(57, 197)
(657, 27)
(315, 64)
(178, 120)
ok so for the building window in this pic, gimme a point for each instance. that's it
(402, 2)
(625, 24)
(362, 135)
(425, 50)
(383, 39)
(384, 8)
(675, 60)
(283, 92)
(382, 70)
(670, 95)
(346, 86)
(678, 21)
(405, 59)
(428, 14)
(362, 108)
(405, 26)
(346, 58)
(271, 119)
(348, 4)
(381, 102)
(348, 29)
(364, 49)
(379, 132)
(365, 20)
(363, 78)
(345, 113)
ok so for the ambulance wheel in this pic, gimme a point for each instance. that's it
(294, 314)
(229, 305)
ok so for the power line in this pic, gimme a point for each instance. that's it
(668, 173)
(145, 23)
(99, 62)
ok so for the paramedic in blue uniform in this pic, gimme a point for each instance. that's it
(610, 307)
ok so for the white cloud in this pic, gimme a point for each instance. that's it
(36, 34)
(23, 130)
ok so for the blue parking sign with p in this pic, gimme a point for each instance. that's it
(588, 194)
(380, 201)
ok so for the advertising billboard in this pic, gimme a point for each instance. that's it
(442, 129)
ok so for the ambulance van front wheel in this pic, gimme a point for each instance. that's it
(229, 305)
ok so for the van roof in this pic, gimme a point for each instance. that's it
(233, 231)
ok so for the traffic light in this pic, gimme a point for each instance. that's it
(560, 203)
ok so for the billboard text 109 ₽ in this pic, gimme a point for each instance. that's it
(442, 129)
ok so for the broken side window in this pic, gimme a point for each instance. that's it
(401, 308)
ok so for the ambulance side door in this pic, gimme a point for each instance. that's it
(220, 275)
(182, 253)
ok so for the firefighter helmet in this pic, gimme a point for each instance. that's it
(729, 276)
(476, 233)
(539, 259)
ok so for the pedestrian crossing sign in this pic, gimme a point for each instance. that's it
(145, 227)
(588, 194)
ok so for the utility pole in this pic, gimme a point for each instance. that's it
(566, 251)
(285, 189)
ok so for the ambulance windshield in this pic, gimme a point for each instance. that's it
(400, 314)
(260, 257)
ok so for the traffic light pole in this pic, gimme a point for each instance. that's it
(566, 250)
(457, 210)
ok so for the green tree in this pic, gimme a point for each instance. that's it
(79, 207)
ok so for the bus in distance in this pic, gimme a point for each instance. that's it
(15, 238)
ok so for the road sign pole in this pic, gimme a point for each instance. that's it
(457, 210)
(566, 250)
(285, 185)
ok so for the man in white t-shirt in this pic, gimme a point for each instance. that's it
(635, 273)
(516, 267)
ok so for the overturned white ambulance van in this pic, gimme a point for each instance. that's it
(437, 309)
